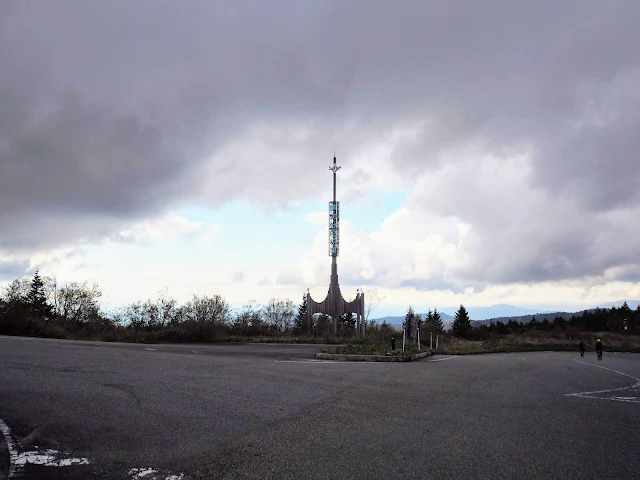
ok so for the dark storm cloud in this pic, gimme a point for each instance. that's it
(108, 109)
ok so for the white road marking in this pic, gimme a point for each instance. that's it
(48, 458)
(627, 399)
(151, 349)
(523, 360)
(445, 358)
(138, 473)
(616, 398)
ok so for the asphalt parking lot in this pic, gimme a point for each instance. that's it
(92, 410)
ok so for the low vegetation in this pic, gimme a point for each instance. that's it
(377, 348)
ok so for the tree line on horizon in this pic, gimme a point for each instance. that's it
(621, 319)
(38, 306)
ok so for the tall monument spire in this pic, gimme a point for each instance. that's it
(334, 218)
(334, 304)
(334, 169)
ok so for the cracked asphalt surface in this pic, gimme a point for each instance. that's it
(267, 411)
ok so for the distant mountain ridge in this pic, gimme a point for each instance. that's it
(541, 317)
(504, 313)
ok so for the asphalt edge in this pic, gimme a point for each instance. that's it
(344, 357)
(7, 451)
(5, 459)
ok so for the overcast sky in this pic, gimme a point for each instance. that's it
(489, 149)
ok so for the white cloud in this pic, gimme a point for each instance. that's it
(317, 218)
(405, 249)
(166, 227)
(211, 234)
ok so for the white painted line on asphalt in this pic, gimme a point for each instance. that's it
(619, 399)
(627, 399)
(615, 399)
(13, 452)
(151, 349)
(445, 358)
(48, 458)
(138, 473)
(523, 360)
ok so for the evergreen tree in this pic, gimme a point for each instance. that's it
(408, 317)
(300, 322)
(37, 299)
(461, 323)
(438, 325)
(323, 324)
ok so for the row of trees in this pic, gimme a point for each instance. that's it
(432, 322)
(621, 319)
(40, 307)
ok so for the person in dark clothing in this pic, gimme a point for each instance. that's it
(582, 345)
(599, 348)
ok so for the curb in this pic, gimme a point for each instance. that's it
(5, 456)
(370, 358)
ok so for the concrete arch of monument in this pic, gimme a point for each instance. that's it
(356, 307)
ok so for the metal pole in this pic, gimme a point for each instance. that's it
(418, 339)
(334, 169)
(403, 338)
(436, 343)
(431, 341)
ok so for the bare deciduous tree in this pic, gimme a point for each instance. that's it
(51, 293)
(372, 299)
(78, 302)
(249, 318)
(161, 312)
(279, 314)
(131, 315)
(17, 290)
(208, 310)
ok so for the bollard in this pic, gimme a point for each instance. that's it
(393, 343)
